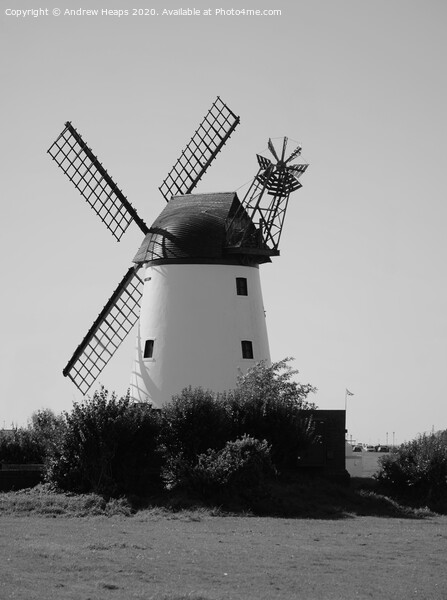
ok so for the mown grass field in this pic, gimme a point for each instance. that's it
(158, 554)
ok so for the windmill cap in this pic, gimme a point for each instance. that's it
(193, 228)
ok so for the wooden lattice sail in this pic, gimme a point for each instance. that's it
(86, 172)
(198, 304)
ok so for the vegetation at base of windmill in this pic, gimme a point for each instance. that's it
(108, 447)
(265, 381)
(44, 500)
(268, 404)
(33, 443)
(240, 470)
(199, 428)
(416, 471)
(192, 423)
(301, 498)
(20, 446)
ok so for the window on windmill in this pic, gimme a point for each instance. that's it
(148, 349)
(247, 349)
(241, 286)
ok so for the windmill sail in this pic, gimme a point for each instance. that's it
(88, 175)
(208, 140)
(113, 324)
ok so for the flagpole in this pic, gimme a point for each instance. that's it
(347, 393)
(346, 411)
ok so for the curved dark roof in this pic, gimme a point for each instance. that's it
(190, 227)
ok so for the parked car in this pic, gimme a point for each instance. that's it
(382, 448)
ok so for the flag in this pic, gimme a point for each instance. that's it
(348, 393)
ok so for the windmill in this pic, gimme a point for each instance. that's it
(194, 285)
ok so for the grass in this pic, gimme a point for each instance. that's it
(316, 541)
(192, 555)
(41, 501)
(293, 499)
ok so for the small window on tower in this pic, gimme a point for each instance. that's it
(148, 349)
(247, 349)
(241, 286)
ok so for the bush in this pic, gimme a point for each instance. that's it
(108, 447)
(240, 467)
(418, 470)
(275, 381)
(268, 404)
(113, 446)
(32, 444)
(21, 446)
(192, 423)
(48, 429)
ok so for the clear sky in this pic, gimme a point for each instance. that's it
(358, 295)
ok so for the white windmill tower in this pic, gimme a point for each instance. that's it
(196, 274)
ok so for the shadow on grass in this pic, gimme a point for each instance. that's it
(311, 499)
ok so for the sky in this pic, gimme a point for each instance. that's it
(358, 296)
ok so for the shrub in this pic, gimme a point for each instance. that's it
(113, 446)
(32, 444)
(48, 429)
(192, 423)
(241, 467)
(268, 404)
(418, 469)
(108, 447)
(275, 381)
(21, 446)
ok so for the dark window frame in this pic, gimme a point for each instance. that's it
(241, 286)
(247, 349)
(148, 349)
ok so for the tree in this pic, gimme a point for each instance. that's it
(275, 381)
(268, 404)
(418, 470)
(48, 429)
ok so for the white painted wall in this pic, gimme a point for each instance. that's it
(198, 321)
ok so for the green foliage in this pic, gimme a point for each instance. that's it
(112, 446)
(21, 446)
(31, 444)
(268, 404)
(192, 423)
(108, 447)
(418, 469)
(198, 427)
(240, 467)
(264, 382)
(48, 429)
